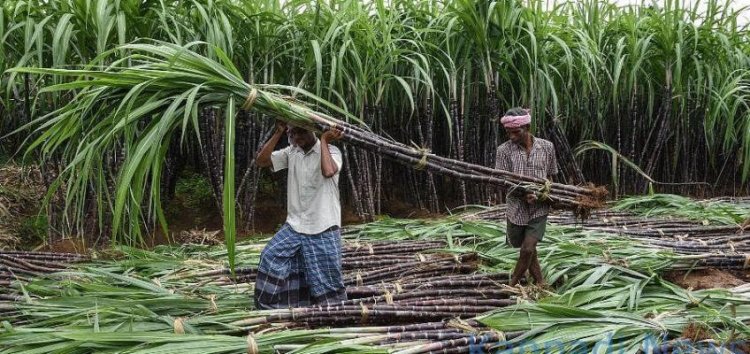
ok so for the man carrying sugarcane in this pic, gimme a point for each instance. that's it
(301, 265)
(526, 215)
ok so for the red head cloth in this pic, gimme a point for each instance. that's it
(513, 122)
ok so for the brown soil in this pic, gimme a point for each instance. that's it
(21, 191)
(71, 245)
(399, 209)
(707, 278)
(696, 332)
(269, 216)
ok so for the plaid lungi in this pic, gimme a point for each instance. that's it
(300, 270)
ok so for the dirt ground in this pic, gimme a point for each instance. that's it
(708, 278)
(21, 190)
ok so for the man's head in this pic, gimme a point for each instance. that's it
(301, 137)
(517, 122)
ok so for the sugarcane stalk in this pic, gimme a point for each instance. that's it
(388, 246)
(424, 271)
(404, 154)
(353, 187)
(216, 272)
(391, 251)
(472, 340)
(356, 315)
(463, 301)
(428, 326)
(71, 257)
(13, 261)
(4, 266)
(371, 141)
(10, 297)
(486, 293)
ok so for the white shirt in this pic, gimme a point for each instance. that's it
(312, 199)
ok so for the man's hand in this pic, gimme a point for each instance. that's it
(280, 126)
(264, 155)
(531, 198)
(332, 134)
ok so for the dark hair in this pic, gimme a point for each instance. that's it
(516, 111)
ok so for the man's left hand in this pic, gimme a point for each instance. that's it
(531, 198)
(332, 134)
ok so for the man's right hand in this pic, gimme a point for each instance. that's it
(264, 155)
(280, 126)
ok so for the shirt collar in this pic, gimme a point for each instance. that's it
(534, 144)
(315, 148)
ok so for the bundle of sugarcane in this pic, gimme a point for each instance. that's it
(389, 248)
(608, 218)
(172, 82)
(410, 290)
(580, 199)
(357, 256)
(413, 338)
(421, 268)
(24, 264)
(360, 270)
(731, 243)
(68, 299)
(685, 229)
(457, 281)
(374, 262)
(441, 337)
(348, 312)
(690, 243)
(83, 341)
(708, 212)
(622, 315)
(595, 217)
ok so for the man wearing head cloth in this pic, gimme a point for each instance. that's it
(527, 155)
(301, 264)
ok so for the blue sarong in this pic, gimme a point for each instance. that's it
(300, 270)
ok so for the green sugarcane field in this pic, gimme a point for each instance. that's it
(371, 176)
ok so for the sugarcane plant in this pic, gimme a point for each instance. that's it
(139, 102)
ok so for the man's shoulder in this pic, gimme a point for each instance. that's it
(505, 146)
(546, 143)
(283, 152)
(333, 149)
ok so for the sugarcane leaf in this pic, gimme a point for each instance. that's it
(407, 90)
(597, 275)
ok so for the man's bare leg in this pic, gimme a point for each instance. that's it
(526, 254)
(536, 270)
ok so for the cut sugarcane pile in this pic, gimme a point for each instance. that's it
(21, 265)
(177, 299)
(390, 283)
(707, 233)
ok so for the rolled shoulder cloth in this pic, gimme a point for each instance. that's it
(298, 270)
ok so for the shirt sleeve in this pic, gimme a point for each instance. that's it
(336, 156)
(280, 159)
(552, 160)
